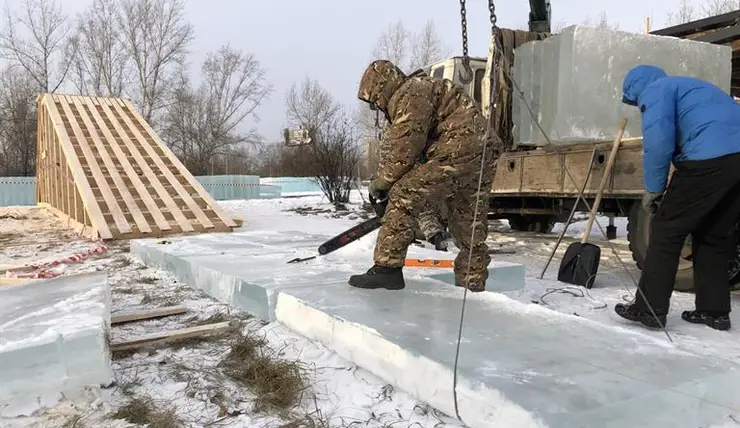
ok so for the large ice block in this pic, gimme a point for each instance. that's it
(573, 81)
(520, 365)
(248, 269)
(53, 341)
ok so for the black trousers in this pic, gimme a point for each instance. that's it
(703, 200)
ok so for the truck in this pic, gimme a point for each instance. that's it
(530, 188)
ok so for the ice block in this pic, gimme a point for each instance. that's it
(574, 80)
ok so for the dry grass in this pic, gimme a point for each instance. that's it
(121, 261)
(277, 384)
(143, 411)
(148, 279)
(74, 422)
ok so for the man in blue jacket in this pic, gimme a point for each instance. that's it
(696, 126)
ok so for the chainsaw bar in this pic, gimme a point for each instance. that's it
(344, 238)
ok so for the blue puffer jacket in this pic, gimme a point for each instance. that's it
(683, 118)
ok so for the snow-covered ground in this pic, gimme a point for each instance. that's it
(187, 378)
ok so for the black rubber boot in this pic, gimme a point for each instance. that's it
(721, 322)
(633, 313)
(439, 241)
(377, 277)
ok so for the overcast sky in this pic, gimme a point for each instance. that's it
(331, 40)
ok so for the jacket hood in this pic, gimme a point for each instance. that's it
(379, 82)
(637, 80)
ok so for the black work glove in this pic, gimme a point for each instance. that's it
(651, 201)
(378, 188)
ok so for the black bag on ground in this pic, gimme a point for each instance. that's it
(580, 264)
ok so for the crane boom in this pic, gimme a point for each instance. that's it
(539, 16)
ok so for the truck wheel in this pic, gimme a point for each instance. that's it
(532, 223)
(638, 234)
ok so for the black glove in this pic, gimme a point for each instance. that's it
(651, 201)
(378, 188)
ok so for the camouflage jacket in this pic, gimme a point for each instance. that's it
(426, 116)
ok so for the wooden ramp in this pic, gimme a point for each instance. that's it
(102, 168)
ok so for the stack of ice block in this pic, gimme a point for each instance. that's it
(573, 81)
(53, 341)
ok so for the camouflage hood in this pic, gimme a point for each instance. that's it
(379, 82)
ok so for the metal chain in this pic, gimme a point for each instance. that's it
(492, 10)
(466, 73)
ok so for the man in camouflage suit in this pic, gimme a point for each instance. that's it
(435, 120)
(431, 224)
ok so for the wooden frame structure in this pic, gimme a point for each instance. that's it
(102, 168)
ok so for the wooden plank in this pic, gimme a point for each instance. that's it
(147, 314)
(110, 199)
(144, 165)
(186, 197)
(170, 336)
(88, 198)
(121, 157)
(180, 167)
(128, 199)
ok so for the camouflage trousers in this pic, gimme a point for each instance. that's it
(430, 222)
(450, 189)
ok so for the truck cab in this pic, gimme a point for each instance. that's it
(451, 67)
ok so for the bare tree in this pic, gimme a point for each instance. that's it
(204, 123)
(336, 157)
(684, 13)
(410, 50)
(156, 37)
(333, 156)
(18, 89)
(718, 7)
(426, 47)
(103, 66)
(602, 22)
(38, 39)
(309, 105)
(393, 44)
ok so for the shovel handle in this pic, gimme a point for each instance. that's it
(604, 179)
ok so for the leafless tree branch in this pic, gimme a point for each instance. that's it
(104, 67)
(156, 37)
(203, 123)
(39, 40)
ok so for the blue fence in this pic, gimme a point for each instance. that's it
(293, 184)
(20, 191)
(17, 191)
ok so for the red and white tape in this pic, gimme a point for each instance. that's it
(47, 269)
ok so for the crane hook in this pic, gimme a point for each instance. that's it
(465, 74)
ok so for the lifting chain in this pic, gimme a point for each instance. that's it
(466, 73)
(492, 11)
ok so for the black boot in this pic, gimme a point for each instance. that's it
(439, 241)
(716, 321)
(633, 313)
(390, 278)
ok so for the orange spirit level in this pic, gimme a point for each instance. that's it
(433, 263)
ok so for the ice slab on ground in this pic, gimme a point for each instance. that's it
(248, 269)
(502, 276)
(53, 341)
(573, 81)
(520, 365)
